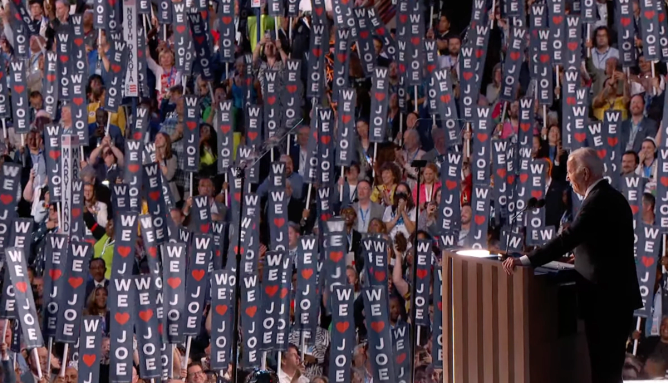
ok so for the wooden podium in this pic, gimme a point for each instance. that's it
(497, 328)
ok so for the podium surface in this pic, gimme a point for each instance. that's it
(499, 328)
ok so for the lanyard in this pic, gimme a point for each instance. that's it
(107, 244)
(350, 240)
(428, 194)
(364, 215)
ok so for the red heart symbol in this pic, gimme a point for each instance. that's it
(602, 153)
(524, 177)
(174, 282)
(364, 34)
(115, 68)
(525, 126)
(271, 100)
(400, 358)
(580, 137)
(21, 286)
(378, 326)
(122, 318)
(440, 306)
(75, 282)
(625, 21)
(649, 14)
(318, 11)
(379, 275)
(479, 53)
(317, 52)
(221, 309)
(570, 100)
(432, 67)
(306, 274)
(198, 274)
(482, 137)
(380, 96)
(284, 292)
(225, 128)
(236, 250)
(64, 59)
(50, 77)
(181, 28)
(421, 273)
(479, 219)
(511, 179)
(152, 251)
(342, 326)
(251, 311)
(124, 251)
(634, 209)
(191, 125)
(536, 194)
(325, 139)
(271, 290)
(291, 88)
(279, 222)
(573, 46)
(664, 181)
(19, 88)
(445, 98)
(146, 315)
(55, 274)
(252, 135)
(154, 195)
(647, 261)
(612, 141)
(204, 228)
(137, 136)
(54, 154)
(403, 18)
(467, 75)
(199, 39)
(159, 324)
(78, 41)
(227, 19)
(346, 118)
(557, 19)
(451, 184)
(78, 101)
(415, 40)
(544, 58)
(336, 255)
(514, 56)
(76, 212)
(134, 168)
(237, 197)
(89, 359)
(501, 172)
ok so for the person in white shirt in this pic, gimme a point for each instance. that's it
(95, 207)
(602, 51)
(451, 61)
(291, 367)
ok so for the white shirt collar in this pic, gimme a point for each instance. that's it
(592, 186)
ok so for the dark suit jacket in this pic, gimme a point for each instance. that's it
(602, 239)
(648, 128)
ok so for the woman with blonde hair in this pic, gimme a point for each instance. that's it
(165, 73)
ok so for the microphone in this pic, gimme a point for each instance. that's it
(532, 203)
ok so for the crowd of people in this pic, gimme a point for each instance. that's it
(377, 194)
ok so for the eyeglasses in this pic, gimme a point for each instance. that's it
(198, 373)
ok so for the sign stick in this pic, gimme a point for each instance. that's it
(164, 33)
(4, 329)
(50, 348)
(263, 363)
(343, 175)
(588, 39)
(556, 68)
(278, 363)
(545, 119)
(187, 354)
(308, 195)
(401, 129)
(303, 344)
(35, 356)
(635, 342)
(290, 38)
(106, 130)
(4, 129)
(503, 112)
(228, 185)
(191, 184)
(373, 165)
(415, 89)
(171, 364)
(653, 70)
(491, 19)
(66, 350)
(467, 144)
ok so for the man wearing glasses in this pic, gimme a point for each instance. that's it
(196, 373)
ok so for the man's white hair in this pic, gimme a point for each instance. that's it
(587, 158)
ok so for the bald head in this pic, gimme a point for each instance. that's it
(585, 168)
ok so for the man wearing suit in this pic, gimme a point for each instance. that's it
(602, 239)
(97, 269)
(366, 209)
(298, 152)
(637, 127)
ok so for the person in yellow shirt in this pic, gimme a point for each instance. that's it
(97, 101)
(104, 236)
(384, 193)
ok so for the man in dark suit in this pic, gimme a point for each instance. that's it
(637, 127)
(602, 239)
(97, 269)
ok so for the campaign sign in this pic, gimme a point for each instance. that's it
(117, 66)
(646, 258)
(8, 297)
(196, 281)
(20, 235)
(335, 250)
(120, 199)
(254, 127)
(272, 106)
(437, 320)
(346, 127)
(225, 135)
(379, 105)
(133, 172)
(122, 316)
(277, 208)
(200, 36)
(365, 45)
(20, 102)
(63, 48)
(16, 263)
(612, 121)
(513, 65)
(220, 243)
(10, 183)
(377, 316)
(73, 298)
(307, 304)
(52, 134)
(125, 236)
(626, 33)
(557, 13)
(89, 349)
(56, 259)
(477, 237)
(423, 283)
(155, 201)
(293, 88)
(250, 331)
(174, 277)
(226, 30)
(401, 335)
(316, 62)
(449, 215)
(482, 137)
(468, 80)
(501, 185)
(222, 314)
(191, 133)
(649, 30)
(78, 229)
(342, 334)
(273, 294)
(375, 260)
(341, 58)
(48, 102)
(147, 328)
(79, 106)
(201, 214)
(447, 107)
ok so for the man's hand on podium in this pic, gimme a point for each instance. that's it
(510, 263)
